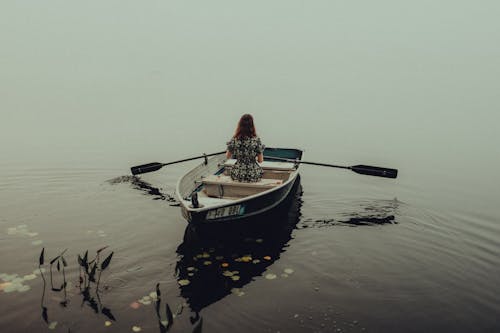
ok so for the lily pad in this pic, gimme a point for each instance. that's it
(227, 273)
(136, 329)
(184, 282)
(29, 277)
(107, 323)
(270, 276)
(288, 271)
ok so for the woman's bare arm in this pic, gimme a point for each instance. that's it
(260, 158)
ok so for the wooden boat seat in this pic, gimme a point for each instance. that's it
(222, 186)
(272, 170)
(266, 165)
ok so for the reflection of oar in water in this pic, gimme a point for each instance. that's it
(216, 263)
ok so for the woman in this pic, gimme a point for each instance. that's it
(246, 148)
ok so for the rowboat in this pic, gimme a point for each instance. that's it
(208, 195)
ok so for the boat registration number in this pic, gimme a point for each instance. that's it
(225, 211)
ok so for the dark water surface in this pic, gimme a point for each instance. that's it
(89, 89)
(323, 262)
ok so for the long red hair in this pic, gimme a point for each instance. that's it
(246, 128)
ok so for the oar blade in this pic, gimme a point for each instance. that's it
(150, 167)
(375, 171)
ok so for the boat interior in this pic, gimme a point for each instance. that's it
(221, 186)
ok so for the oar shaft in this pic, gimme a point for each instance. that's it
(361, 169)
(304, 162)
(193, 158)
(150, 167)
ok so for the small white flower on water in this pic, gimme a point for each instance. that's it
(271, 276)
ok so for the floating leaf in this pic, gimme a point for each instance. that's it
(225, 264)
(237, 292)
(207, 262)
(136, 329)
(259, 240)
(29, 277)
(184, 282)
(42, 257)
(267, 258)
(190, 269)
(23, 288)
(106, 261)
(4, 285)
(235, 277)
(52, 325)
(288, 271)
(107, 323)
(270, 276)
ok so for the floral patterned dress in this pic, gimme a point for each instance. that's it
(245, 151)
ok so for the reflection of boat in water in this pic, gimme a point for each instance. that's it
(218, 260)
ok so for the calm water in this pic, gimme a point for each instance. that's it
(89, 90)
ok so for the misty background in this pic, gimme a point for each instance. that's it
(112, 84)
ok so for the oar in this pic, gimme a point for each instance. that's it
(150, 167)
(361, 169)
